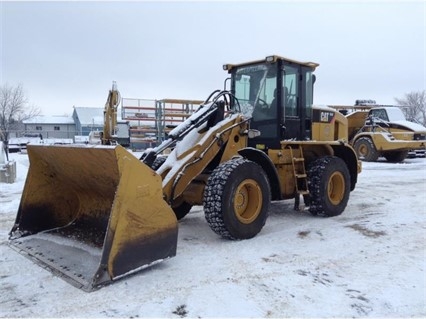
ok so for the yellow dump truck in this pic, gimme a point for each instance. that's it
(382, 131)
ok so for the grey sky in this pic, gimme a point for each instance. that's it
(68, 53)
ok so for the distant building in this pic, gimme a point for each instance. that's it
(51, 126)
(88, 119)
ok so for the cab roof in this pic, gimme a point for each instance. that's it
(270, 59)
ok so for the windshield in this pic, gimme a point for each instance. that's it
(255, 86)
(389, 114)
(395, 114)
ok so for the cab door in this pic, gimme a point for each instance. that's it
(290, 128)
(297, 99)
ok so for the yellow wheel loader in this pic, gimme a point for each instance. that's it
(94, 214)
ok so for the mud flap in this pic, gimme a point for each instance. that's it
(92, 214)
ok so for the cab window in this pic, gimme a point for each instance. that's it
(380, 113)
(291, 91)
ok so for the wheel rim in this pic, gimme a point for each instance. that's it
(336, 188)
(248, 201)
(362, 150)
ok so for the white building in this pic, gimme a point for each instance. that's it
(51, 126)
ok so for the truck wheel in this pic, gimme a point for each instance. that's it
(396, 156)
(365, 149)
(329, 186)
(237, 199)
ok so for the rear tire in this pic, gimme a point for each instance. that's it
(329, 186)
(237, 199)
(396, 156)
(365, 149)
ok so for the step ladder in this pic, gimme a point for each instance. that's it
(300, 176)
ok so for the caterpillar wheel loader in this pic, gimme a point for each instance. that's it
(94, 214)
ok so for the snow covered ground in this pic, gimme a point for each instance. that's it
(368, 262)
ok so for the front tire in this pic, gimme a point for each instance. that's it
(365, 149)
(329, 186)
(237, 199)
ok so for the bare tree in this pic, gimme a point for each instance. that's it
(414, 106)
(14, 109)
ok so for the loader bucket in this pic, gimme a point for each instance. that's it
(92, 214)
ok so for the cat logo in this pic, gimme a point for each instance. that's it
(326, 117)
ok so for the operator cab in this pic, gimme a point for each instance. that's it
(278, 94)
(388, 113)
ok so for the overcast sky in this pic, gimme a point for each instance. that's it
(68, 53)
